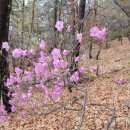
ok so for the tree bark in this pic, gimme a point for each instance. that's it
(5, 8)
(76, 52)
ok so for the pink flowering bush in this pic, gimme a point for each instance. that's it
(49, 73)
(52, 68)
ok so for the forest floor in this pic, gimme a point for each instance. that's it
(106, 99)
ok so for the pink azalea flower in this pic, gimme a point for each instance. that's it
(94, 31)
(3, 110)
(14, 95)
(31, 52)
(79, 37)
(44, 57)
(63, 64)
(29, 75)
(57, 92)
(5, 46)
(4, 113)
(46, 99)
(56, 71)
(121, 81)
(40, 68)
(81, 70)
(11, 102)
(13, 109)
(42, 45)
(2, 107)
(75, 77)
(18, 71)
(3, 119)
(77, 59)
(24, 53)
(56, 63)
(59, 25)
(17, 53)
(102, 34)
(13, 81)
(47, 74)
(45, 89)
(25, 115)
(62, 84)
(94, 69)
(33, 107)
(65, 52)
(29, 94)
(56, 54)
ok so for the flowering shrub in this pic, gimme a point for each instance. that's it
(52, 68)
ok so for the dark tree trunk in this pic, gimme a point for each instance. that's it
(55, 20)
(5, 7)
(76, 52)
(55, 13)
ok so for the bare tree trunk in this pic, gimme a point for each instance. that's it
(32, 24)
(73, 10)
(76, 52)
(5, 8)
(55, 20)
(23, 10)
(55, 13)
(33, 11)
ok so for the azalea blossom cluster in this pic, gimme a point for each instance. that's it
(19, 53)
(52, 68)
(60, 26)
(96, 32)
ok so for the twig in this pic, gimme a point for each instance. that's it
(111, 119)
(83, 111)
(74, 99)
